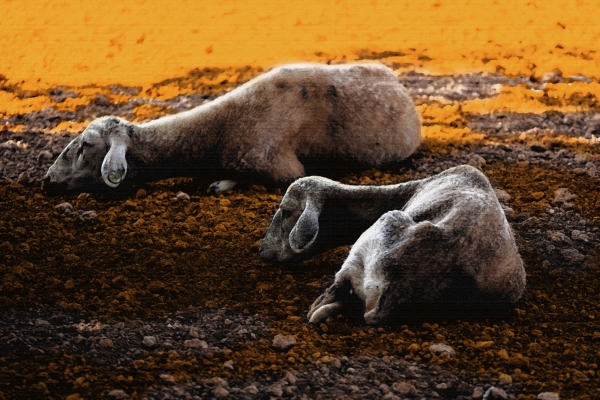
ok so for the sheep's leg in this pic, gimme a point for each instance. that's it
(286, 167)
(327, 305)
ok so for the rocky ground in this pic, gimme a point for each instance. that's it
(161, 294)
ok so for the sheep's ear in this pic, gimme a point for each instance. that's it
(114, 166)
(306, 229)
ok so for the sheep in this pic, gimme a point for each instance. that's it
(444, 239)
(357, 111)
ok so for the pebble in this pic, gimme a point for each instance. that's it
(252, 389)
(283, 343)
(502, 195)
(87, 215)
(504, 378)
(572, 256)
(149, 341)
(276, 390)
(64, 207)
(105, 342)
(180, 196)
(220, 392)
(167, 378)
(117, 394)
(477, 392)
(477, 161)
(563, 196)
(141, 193)
(44, 155)
(291, 378)
(495, 393)
(548, 396)
(404, 388)
(195, 344)
(440, 348)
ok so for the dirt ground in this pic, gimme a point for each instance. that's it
(154, 295)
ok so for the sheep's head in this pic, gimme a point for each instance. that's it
(295, 225)
(97, 155)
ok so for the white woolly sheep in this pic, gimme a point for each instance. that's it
(359, 112)
(447, 240)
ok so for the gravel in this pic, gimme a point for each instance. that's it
(161, 293)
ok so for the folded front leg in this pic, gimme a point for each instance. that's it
(330, 303)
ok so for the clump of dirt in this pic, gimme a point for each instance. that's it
(163, 297)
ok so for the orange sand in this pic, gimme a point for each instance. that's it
(144, 41)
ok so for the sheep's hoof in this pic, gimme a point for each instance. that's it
(322, 312)
(220, 186)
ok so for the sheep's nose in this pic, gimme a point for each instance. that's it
(266, 253)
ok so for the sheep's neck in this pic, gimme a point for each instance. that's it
(184, 137)
(368, 203)
(352, 209)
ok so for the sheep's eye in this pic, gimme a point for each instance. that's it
(285, 214)
(83, 146)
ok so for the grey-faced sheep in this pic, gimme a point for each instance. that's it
(448, 240)
(359, 112)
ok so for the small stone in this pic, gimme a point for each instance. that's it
(149, 341)
(404, 388)
(518, 360)
(167, 378)
(64, 207)
(192, 221)
(538, 195)
(508, 212)
(291, 378)
(384, 388)
(563, 196)
(44, 155)
(181, 196)
(581, 236)
(477, 392)
(502, 195)
(440, 348)
(23, 177)
(476, 161)
(228, 364)
(141, 193)
(503, 354)
(504, 378)
(283, 343)
(117, 394)
(572, 256)
(252, 389)
(496, 393)
(548, 396)
(558, 237)
(69, 284)
(87, 215)
(276, 390)
(195, 344)
(105, 342)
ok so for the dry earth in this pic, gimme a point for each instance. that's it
(154, 295)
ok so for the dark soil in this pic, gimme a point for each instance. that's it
(157, 297)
